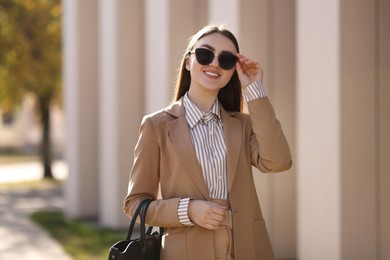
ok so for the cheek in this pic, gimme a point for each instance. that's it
(189, 63)
(229, 75)
(231, 72)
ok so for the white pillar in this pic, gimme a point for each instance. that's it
(225, 12)
(318, 129)
(158, 85)
(80, 102)
(121, 86)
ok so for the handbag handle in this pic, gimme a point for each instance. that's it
(135, 216)
(143, 217)
(149, 231)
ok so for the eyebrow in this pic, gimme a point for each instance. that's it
(211, 47)
(208, 46)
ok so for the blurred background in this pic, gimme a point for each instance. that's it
(76, 77)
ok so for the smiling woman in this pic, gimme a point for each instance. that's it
(200, 150)
(230, 94)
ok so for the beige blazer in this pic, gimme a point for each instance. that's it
(165, 155)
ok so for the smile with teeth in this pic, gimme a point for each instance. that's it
(212, 74)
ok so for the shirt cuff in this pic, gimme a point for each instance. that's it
(182, 212)
(254, 91)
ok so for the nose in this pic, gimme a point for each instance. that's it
(215, 61)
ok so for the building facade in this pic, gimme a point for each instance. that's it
(327, 73)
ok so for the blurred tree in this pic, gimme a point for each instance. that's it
(30, 60)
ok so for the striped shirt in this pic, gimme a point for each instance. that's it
(206, 130)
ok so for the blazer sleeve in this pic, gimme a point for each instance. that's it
(269, 149)
(144, 181)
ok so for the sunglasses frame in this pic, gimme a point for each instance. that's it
(221, 61)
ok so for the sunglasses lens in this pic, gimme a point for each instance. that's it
(227, 60)
(204, 56)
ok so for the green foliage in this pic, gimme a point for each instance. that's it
(30, 60)
(30, 50)
(80, 239)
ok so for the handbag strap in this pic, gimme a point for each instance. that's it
(134, 218)
(143, 217)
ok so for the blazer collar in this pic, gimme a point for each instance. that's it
(232, 128)
(176, 109)
(182, 143)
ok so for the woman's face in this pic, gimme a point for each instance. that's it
(210, 77)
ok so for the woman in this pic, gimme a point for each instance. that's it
(201, 150)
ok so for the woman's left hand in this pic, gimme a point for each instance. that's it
(248, 70)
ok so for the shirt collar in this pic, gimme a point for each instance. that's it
(194, 115)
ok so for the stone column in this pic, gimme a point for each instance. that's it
(121, 89)
(169, 24)
(267, 32)
(383, 137)
(341, 118)
(81, 106)
(157, 55)
(365, 66)
(318, 129)
(185, 19)
(225, 12)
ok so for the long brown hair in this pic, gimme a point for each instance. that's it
(230, 95)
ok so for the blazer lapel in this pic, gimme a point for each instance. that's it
(233, 136)
(182, 143)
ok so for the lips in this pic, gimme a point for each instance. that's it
(212, 74)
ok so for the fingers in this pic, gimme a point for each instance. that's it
(207, 214)
(214, 219)
(248, 70)
(248, 66)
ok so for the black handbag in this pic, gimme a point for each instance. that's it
(147, 247)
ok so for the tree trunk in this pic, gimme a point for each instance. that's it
(46, 154)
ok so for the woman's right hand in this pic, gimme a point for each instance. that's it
(206, 214)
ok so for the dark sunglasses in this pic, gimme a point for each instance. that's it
(226, 59)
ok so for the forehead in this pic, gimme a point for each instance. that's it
(217, 42)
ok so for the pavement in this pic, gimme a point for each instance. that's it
(20, 238)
